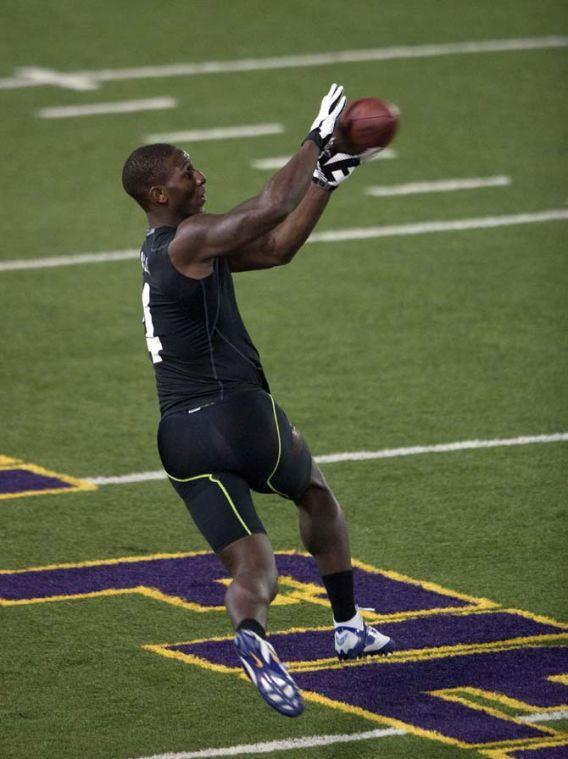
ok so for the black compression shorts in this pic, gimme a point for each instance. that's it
(216, 454)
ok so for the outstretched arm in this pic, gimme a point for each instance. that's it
(204, 236)
(280, 245)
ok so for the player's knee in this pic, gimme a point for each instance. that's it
(260, 578)
(316, 489)
(260, 584)
(268, 580)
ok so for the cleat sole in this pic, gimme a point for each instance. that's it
(269, 675)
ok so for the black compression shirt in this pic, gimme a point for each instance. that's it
(197, 342)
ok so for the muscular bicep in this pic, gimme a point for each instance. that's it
(281, 244)
(205, 236)
(262, 253)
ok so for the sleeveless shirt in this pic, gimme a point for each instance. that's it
(198, 344)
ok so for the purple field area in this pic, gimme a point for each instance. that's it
(13, 481)
(412, 690)
(410, 634)
(541, 752)
(403, 691)
(195, 578)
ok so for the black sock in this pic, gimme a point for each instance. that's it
(339, 586)
(252, 624)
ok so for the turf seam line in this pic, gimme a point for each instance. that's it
(337, 235)
(387, 453)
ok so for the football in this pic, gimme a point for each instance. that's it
(366, 123)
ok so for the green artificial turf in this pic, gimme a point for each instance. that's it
(368, 345)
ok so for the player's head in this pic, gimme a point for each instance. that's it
(163, 176)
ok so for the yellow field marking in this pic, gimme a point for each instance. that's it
(138, 590)
(453, 695)
(426, 654)
(403, 616)
(531, 743)
(562, 679)
(432, 734)
(381, 719)
(297, 591)
(304, 591)
(76, 484)
(385, 660)
(162, 650)
(287, 631)
(479, 602)
(310, 592)
(500, 698)
(105, 562)
(537, 618)
(308, 695)
(300, 591)
(7, 463)
(397, 657)
(191, 659)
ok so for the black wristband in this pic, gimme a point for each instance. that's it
(324, 185)
(315, 136)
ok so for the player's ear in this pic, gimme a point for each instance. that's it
(158, 195)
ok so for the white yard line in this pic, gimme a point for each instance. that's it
(285, 745)
(72, 260)
(32, 77)
(387, 453)
(126, 479)
(321, 740)
(440, 185)
(464, 445)
(217, 133)
(337, 235)
(95, 109)
(273, 164)
(544, 716)
(426, 227)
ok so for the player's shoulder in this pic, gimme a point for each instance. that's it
(154, 249)
(158, 238)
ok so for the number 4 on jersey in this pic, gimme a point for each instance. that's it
(154, 343)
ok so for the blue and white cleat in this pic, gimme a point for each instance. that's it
(353, 641)
(267, 672)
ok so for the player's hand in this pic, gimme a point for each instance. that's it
(334, 168)
(321, 131)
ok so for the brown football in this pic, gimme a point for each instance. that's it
(366, 123)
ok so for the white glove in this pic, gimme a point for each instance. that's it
(333, 168)
(324, 123)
